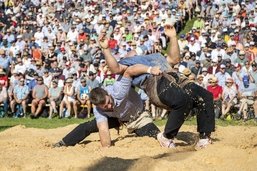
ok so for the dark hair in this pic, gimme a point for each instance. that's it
(97, 96)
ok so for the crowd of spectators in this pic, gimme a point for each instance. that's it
(220, 52)
(49, 52)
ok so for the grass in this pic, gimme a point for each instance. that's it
(45, 123)
(219, 122)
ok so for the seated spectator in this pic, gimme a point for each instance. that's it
(39, 95)
(229, 97)
(92, 82)
(200, 82)
(215, 68)
(109, 80)
(247, 93)
(3, 78)
(197, 69)
(3, 98)
(216, 91)
(55, 98)
(222, 75)
(68, 100)
(83, 95)
(21, 96)
(47, 78)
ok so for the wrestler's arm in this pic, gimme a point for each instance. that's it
(173, 51)
(139, 69)
(112, 63)
(103, 127)
(104, 133)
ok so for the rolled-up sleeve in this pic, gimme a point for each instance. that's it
(121, 88)
(99, 116)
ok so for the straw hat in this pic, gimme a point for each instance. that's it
(186, 71)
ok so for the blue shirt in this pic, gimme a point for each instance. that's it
(5, 62)
(127, 103)
(83, 90)
(21, 91)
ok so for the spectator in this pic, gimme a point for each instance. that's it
(5, 60)
(197, 69)
(229, 67)
(47, 78)
(21, 97)
(68, 70)
(200, 82)
(229, 97)
(3, 98)
(83, 95)
(215, 68)
(68, 100)
(222, 75)
(3, 79)
(241, 59)
(55, 98)
(92, 82)
(109, 80)
(216, 91)
(39, 95)
(253, 73)
(247, 92)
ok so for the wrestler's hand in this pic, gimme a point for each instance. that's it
(156, 70)
(103, 40)
(170, 31)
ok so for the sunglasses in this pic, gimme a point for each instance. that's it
(39, 80)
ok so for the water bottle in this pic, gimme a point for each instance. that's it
(246, 81)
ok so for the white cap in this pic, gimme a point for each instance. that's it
(215, 59)
(222, 66)
(204, 69)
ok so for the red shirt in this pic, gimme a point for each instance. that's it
(4, 81)
(216, 91)
(113, 43)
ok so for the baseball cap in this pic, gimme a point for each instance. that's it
(222, 66)
(197, 62)
(237, 65)
(215, 60)
(204, 69)
(90, 73)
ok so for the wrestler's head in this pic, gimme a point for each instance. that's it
(101, 99)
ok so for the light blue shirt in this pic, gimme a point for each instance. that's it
(127, 102)
(21, 91)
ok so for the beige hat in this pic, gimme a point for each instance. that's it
(186, 72)
(214, 79)
(38, 63)
(2, 51)
(2, 72)
(69, 80)
(242, 52)
(230, 80)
